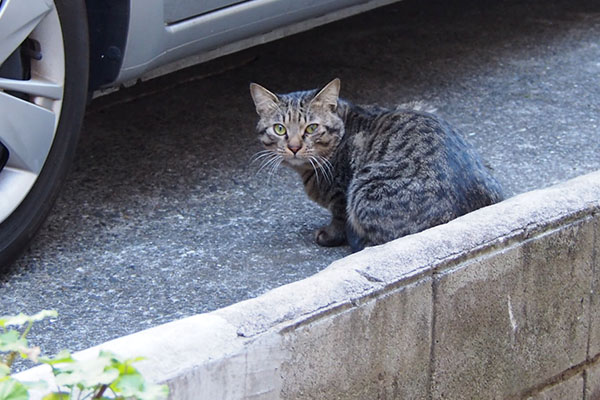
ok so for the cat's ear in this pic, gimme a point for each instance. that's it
(264, 100)
(328, 96)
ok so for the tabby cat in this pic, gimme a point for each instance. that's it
(382, 173)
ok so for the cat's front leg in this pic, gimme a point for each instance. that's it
(333, 234)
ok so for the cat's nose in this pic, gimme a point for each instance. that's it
(294, 148)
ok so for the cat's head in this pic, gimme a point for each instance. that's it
(302, 129)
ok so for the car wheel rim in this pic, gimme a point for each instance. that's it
(30, 108)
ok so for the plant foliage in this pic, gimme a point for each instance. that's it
(107, 376)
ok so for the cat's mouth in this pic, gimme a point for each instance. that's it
(296, 160)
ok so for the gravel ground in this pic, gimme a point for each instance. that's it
(163, 216)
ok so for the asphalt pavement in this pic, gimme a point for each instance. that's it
(164, 216)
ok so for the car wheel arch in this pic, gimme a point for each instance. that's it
(108, 25)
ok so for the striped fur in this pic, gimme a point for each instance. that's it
(382, 173)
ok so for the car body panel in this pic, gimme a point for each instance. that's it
(154, 48)
(179, 10)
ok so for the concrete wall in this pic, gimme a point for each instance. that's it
(502, 303)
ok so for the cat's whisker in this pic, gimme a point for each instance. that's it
(272, 163)
(322, 165)
(260, 155)
(312, 162)
(273, 168)
(264, 164)
(261, 152)
(326, 167)
(327, 163)
(276, 167)
(267, 163)
(317, 167)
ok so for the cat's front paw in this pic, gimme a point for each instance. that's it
(329, 237)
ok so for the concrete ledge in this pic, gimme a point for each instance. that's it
(500, 303)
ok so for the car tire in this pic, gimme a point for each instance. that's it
(20, 225)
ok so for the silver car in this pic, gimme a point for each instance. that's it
(55, 55)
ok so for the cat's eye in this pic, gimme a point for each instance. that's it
(279, 129)
(311, 128)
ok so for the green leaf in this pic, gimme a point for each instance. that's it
(124, 366)
(12, 341)
(30, 353)
(129, 385)
(44, 314)
(4, 370)
(12, 389)
(86, 373)
(61, 358)
(154, 392)
(36, 385)
(86, 379)
(56, 396)
(17, 320)
(136, 387)
(22, 319)
(88, 376)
